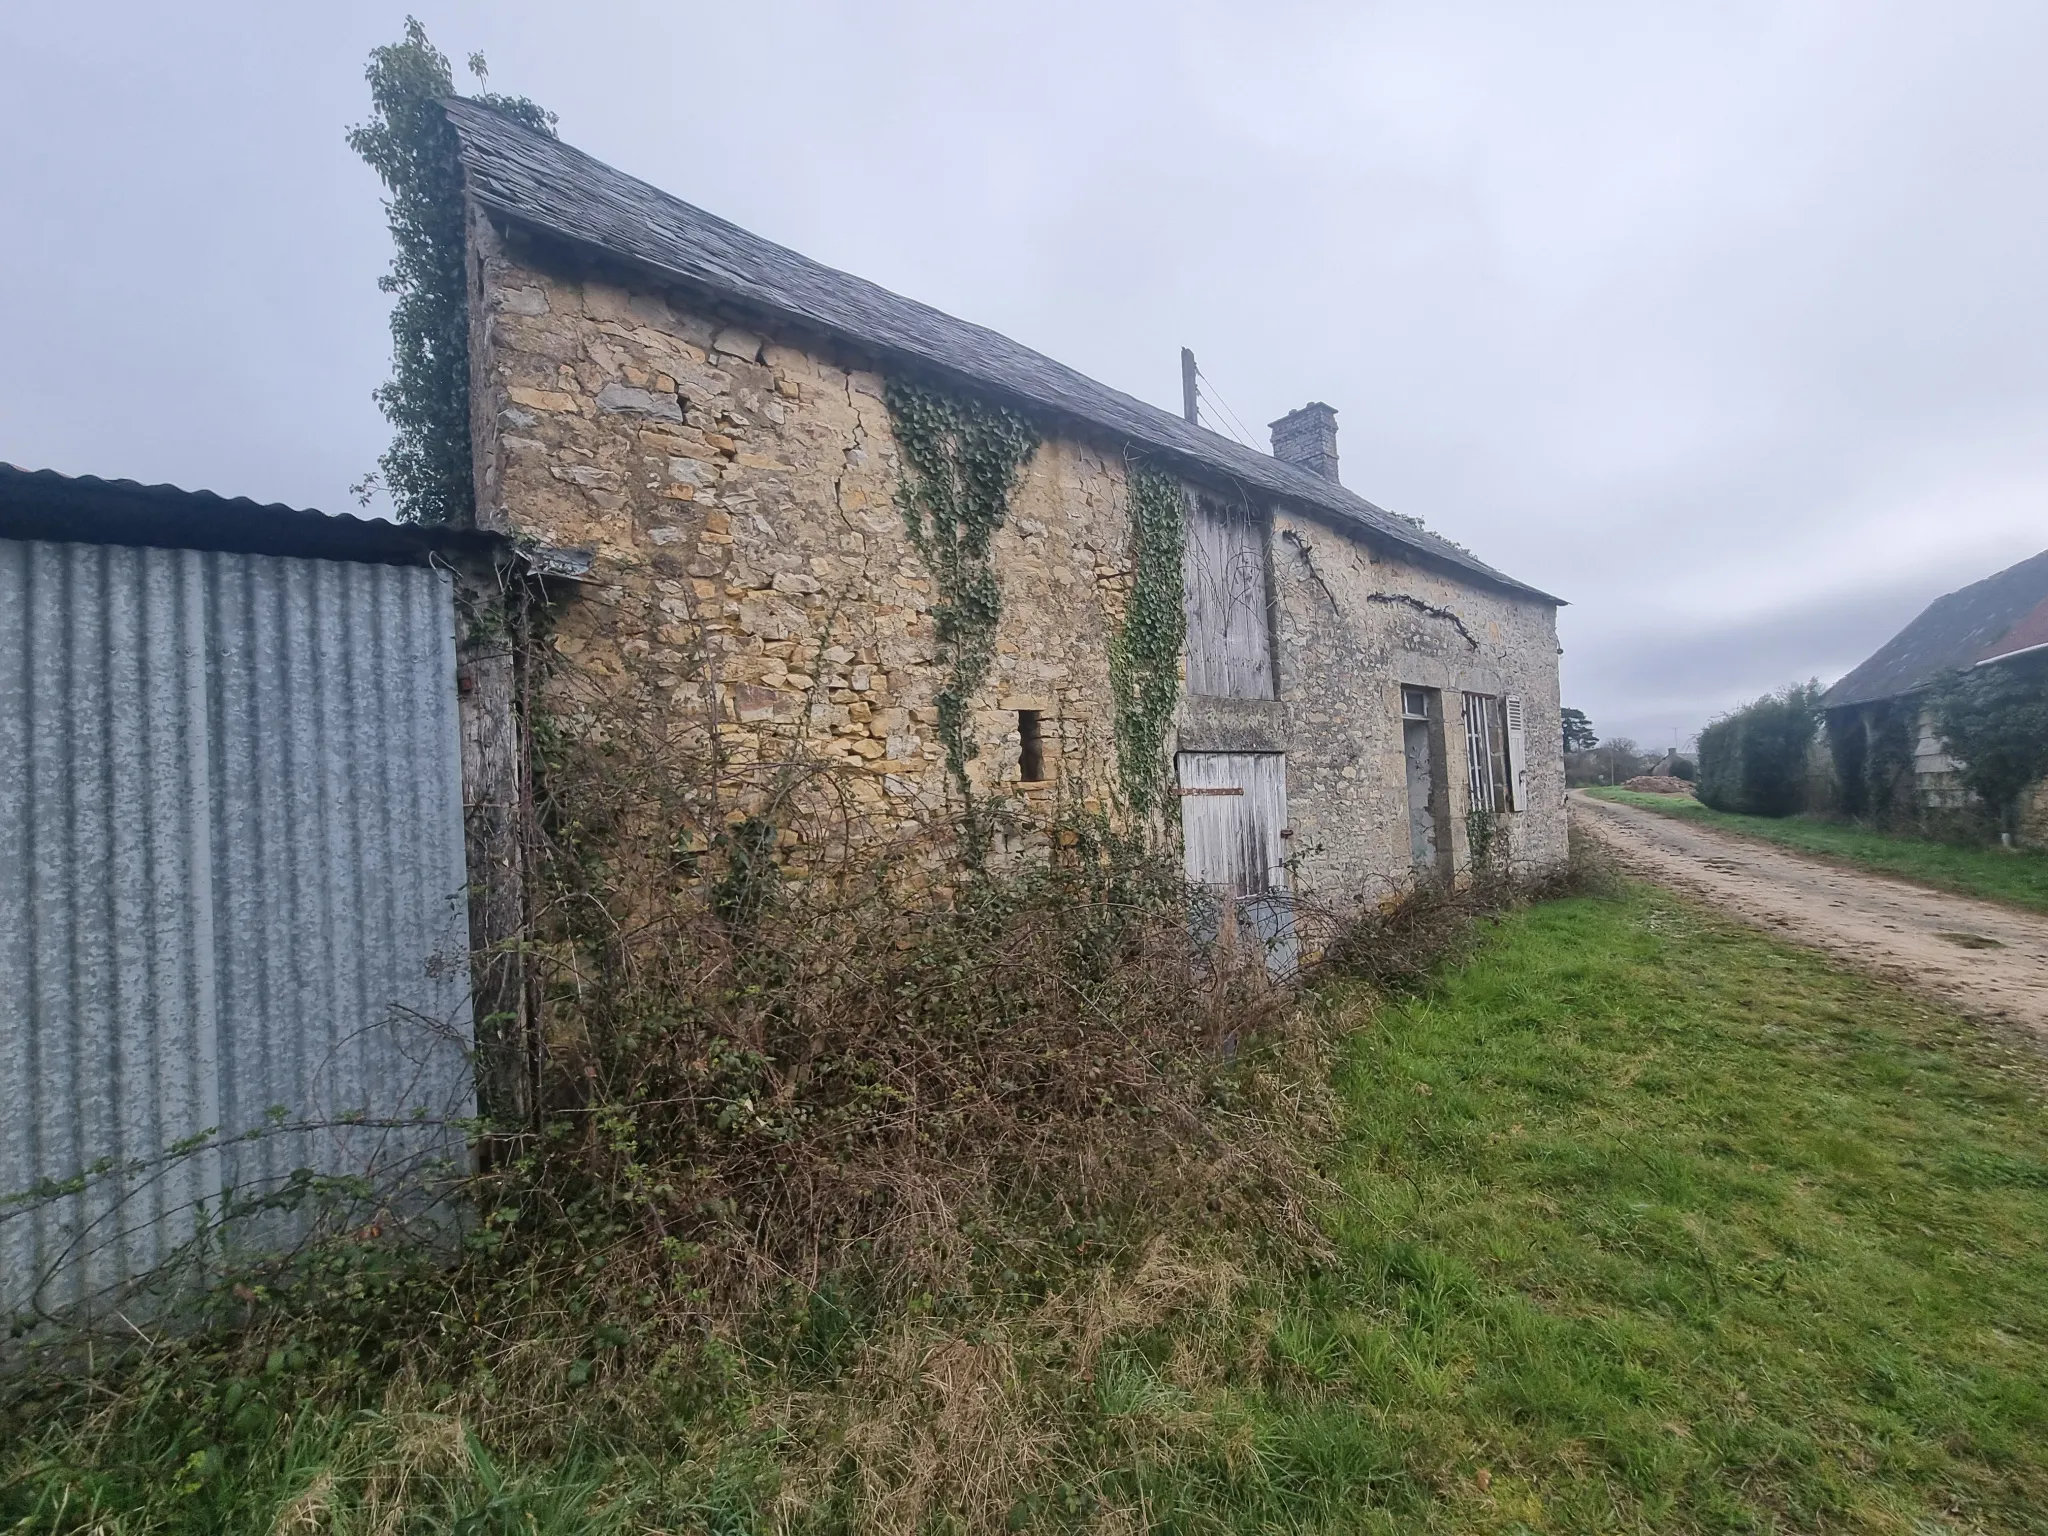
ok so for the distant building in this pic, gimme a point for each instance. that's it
(1890, 762)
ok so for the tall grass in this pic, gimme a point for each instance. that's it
(1633, 1219)
(845, 1164)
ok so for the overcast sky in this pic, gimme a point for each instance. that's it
(1728, 323)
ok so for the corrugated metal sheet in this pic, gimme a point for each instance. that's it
(231, 890)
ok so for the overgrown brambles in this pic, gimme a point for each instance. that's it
(1144, 655)
(820, 1075)
(1399, 945)
(962, 458)
(810, 1143)
(411, 147)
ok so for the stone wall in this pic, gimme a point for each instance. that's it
(753, 609)
(1353, 625)
(752, 584)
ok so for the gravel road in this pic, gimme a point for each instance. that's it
(1988, 959)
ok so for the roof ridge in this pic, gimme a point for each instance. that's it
(1956, 629)
(570, 193)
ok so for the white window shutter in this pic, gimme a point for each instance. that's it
(1518, 760)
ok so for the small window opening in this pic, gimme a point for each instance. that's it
(1414, 703)
(1031, 746)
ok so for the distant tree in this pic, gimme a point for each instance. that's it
(1578, 731)
(411, 147)
(1624, 759)
(1994, 722)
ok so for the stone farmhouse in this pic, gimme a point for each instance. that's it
(1889, 760)
(691, 428)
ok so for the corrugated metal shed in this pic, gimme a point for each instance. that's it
(231, 890)
(84, 509)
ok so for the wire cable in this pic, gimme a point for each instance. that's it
(1234, 424)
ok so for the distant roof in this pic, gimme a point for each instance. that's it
(83, 509)
(544, 183)
(1975, 623)
(2030, 634)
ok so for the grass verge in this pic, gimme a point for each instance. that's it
(2017, 878)
(1658, 1224)
(1646, 1222)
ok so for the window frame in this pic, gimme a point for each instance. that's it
(1486, 755)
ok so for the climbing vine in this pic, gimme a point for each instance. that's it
(1144, 656)
(410, 145)
(962, 458)
(1995, 721)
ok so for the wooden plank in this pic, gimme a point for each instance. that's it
(1230, 651)
(1231, 825)
(494, 814)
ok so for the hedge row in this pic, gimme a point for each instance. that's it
(1754, 761)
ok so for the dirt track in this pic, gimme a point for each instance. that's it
(1989, 959)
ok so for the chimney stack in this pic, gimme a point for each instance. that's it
(1308, 437)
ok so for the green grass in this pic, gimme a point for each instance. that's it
(2018, 878)
(1648, 1223)
(1667, 1226)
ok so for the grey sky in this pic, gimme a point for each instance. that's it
(1725, 322)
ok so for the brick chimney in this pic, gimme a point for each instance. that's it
(1308, 437)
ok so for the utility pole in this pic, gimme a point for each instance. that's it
(1190, 395)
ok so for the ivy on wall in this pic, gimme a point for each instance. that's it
(962, 459)
(410, 145)
(1994, 720)
(1872, 748)
(1144, 654)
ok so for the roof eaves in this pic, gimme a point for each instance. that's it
(43, 505)
(1063, 391)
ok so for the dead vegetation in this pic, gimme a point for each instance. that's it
(876, 1157)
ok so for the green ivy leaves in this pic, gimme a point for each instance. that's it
(411, 147)
(1144, 655)
(962, 459)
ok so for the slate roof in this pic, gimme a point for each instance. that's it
(545, 184)
(1985, 619)
(2031, 633)
(84, 509)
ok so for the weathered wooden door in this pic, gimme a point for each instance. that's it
(1422, 808)
(1230, 652)
(1233, 811)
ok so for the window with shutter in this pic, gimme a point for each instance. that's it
(1484, 767)
(1494, 759)
(1230, 652)
(1518, 759)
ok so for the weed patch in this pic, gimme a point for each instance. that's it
(1630, 1219)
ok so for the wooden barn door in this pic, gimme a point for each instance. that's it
(1233, 809)
(1230, 643)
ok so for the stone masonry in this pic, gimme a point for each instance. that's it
(750, 578)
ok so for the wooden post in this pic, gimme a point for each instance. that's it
(1190, 394)
(494, 812)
